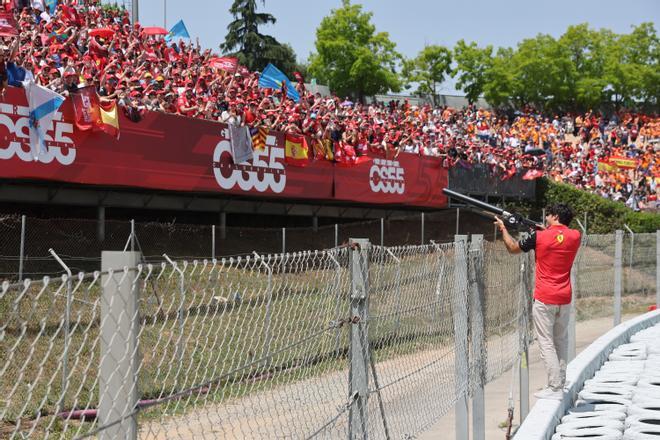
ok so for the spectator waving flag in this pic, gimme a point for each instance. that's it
(273, 78)
(43, 103)
(52, 6)
(296, 151)
(179, 30)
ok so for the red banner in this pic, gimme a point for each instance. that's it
(228, 64)
(406, 180)
(86, 108)
(169, 152)
(8, 26)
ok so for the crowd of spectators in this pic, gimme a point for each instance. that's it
(146, 72)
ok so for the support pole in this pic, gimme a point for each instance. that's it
(460, 313)
(423, 229)
(573, 312)
(132, 235)
(618, 251)
(478, 354)
(382, 231)
(119, 358)
(315, 223)
(213, 241)
(21, 255)
(283, 241)
(336, 235)
(136, 11)
(100, 230)
(657, 269)
(458, 215)
(359, 350)
(523, 367)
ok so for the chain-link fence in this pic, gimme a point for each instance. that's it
(356, 341)
(595, 273)
(25, 241)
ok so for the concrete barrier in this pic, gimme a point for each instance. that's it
(541, 422)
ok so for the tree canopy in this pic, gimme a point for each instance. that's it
(351, 57)
(582, 69)
(252, 48)
(428, 69)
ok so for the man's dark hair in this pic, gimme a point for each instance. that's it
(563, 212)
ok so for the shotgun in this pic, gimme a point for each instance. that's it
(511, 219)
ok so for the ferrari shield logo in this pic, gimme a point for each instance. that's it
(560, 238)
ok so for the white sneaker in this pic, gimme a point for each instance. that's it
(549, 393)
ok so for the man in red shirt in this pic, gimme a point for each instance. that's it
(555, 250)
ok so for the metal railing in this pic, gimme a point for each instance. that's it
(358, 341)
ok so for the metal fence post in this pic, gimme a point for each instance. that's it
(339, 296)
(283, 241)
(359, 352)
(479, 352)
(67, 328)
(336, 235)
(397, 279)
(119, 327)
(182, 300)
(213, 241)
(632, 246)
(382, 231)
(657, 269)
(460, 313)
(523, 326)
(618, 251)
(269, 299)
(423, 228)
(572, 313)
(132, 235)
(21, 255)
(458, 216)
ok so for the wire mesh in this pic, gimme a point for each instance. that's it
(411, 335)
(503, 309)
(594, 276)
(260, 346)
(639, 264)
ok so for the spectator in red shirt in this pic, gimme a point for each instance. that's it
(555, 250)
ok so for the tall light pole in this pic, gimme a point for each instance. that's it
(136, 11)
(165, 14)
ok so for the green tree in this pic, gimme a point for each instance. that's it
(252, 48)
(351, 57)
(543, 74)
(498, 79)
(585, 48)
(632, 66)
(428, 69)
(472, 63)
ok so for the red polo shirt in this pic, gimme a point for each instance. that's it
(555, 248)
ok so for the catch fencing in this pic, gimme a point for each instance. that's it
(357, 341)
(24, 241)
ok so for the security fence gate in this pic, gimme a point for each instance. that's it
(359, 341)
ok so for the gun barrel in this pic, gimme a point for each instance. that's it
(469, 200)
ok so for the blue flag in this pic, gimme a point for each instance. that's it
(178, 30)
(51, 5)
(273, 78)
(17, 74)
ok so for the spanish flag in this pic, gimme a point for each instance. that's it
(109, 118)
(623, 162)
(606, 166)
(296, 150)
